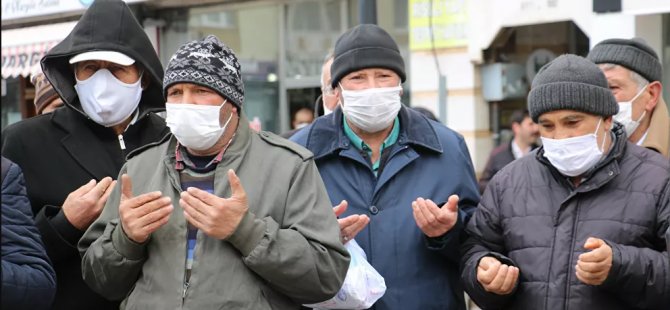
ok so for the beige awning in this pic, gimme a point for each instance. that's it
(23, 48)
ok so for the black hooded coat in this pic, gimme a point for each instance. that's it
(61, 151)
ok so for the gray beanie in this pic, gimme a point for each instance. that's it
(365, 46)
(571, 82)
(210, 63)
(633, 54)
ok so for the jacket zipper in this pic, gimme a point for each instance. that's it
(122, 143)
(572, 246)
(185, 288)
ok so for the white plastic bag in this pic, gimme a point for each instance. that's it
(362, 287)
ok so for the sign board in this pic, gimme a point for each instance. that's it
(15, 9)
(449, 21)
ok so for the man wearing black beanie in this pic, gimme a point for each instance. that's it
(408, 180)
(633, 71)
(580, 222)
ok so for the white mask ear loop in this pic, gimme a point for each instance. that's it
(633, 100)
(602, 145)
(229, 117)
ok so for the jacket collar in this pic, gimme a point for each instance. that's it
(326, 135)
(658, 138)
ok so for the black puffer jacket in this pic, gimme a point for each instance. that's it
(532, 217)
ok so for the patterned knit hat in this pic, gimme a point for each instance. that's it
(209, 63)
(44, 92)
(571, 82)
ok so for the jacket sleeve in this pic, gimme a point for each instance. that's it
(303, 257)
(26, 270)
(485, 238)
(111, 262)
(466, 188)
(59, 236)
(641, 276)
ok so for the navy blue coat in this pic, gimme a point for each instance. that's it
(428, 160)
(28, 281)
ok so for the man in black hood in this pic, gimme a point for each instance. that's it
(109, 76)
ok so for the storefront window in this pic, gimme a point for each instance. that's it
(11, 97)
(311, 31)
(252, 33)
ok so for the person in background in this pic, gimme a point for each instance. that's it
(524, 140)
(28, 280)
(109, 76)
(46, 98)
(329, 95)
(228, 217)
(303, 117)
(579, 223)
(408, 182)
(634, 72)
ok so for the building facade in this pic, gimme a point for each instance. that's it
(489, 52)
(469, 61)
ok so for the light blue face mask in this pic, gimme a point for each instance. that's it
(576, 155)
(106, 100)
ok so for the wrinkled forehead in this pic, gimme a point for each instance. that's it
(373, 71)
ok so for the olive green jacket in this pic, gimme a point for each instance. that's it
(285, 252)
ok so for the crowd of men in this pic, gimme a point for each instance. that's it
(107, 205)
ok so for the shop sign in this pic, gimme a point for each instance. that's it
(449, 20)
(15, 9)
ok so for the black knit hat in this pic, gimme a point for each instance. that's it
(571, 82)
(365, 46)
(209, 63)
(633, 54)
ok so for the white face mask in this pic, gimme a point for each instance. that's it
(576, 155)
(195, 126)
(106, 100)
(373, 109)
(625, 115)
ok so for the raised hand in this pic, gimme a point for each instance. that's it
(142, 215)
(495, 277)
(83, 206)
(351, 225)
(215, 216)
(593, 267)
(431, 219)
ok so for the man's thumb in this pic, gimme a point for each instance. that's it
(126, 187)
(235, 185)
(593, 243)
(339, 209)
(452, 203)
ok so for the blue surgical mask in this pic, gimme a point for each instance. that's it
(106, 100)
